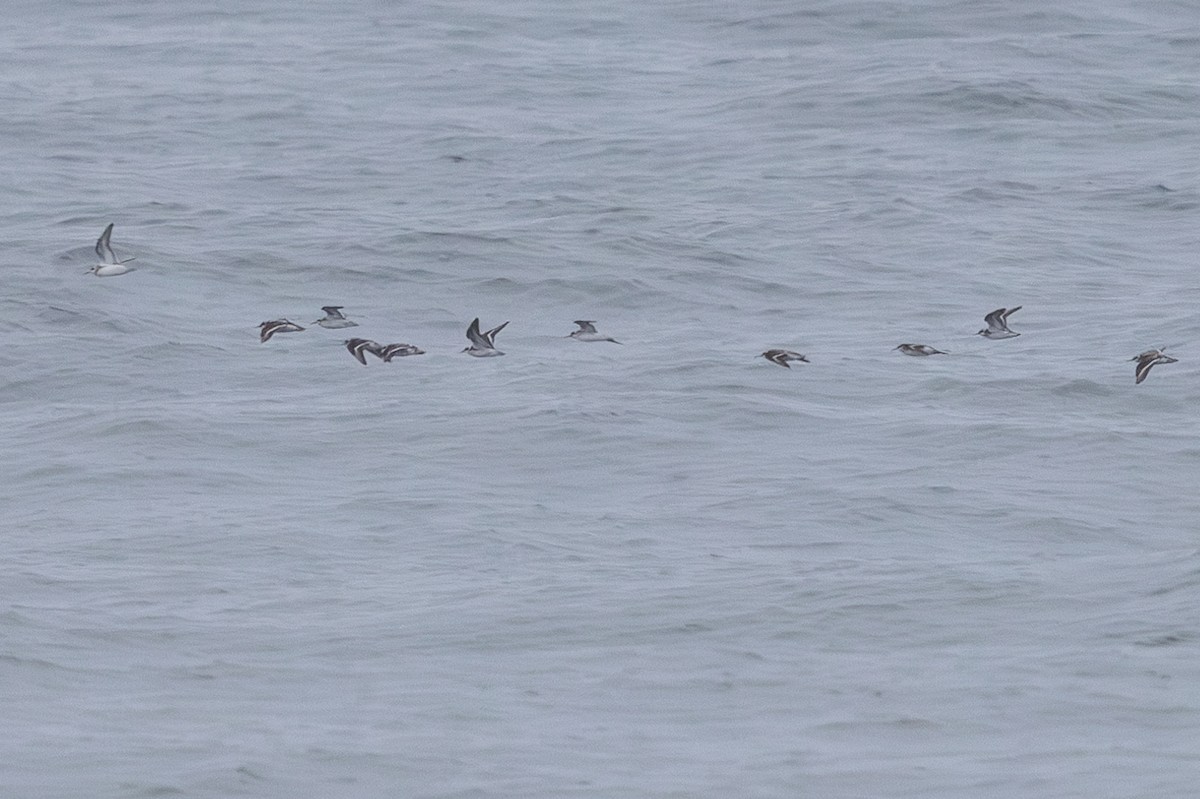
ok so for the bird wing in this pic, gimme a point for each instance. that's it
(491, 334)
(1145, 361)
(355, 346)
(995, 320)
(104, 248)
(476, 338)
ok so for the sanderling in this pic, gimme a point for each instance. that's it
(997, 324)
(782, 357)
(483, 345)
(389, 351)
(334, 319)
(587, 332)
(109, 265)
(357, 346)
(268, 329)
(919, 349)
(1148, 360)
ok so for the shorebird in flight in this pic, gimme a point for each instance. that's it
(109, 265)
(1147, 361)
(268, 329)
(334, 319)
(389, 351)
(997, 324)
(782, 357)
(587, 332)
(483, 345)
(919, 349)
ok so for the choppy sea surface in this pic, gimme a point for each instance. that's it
(665, 568)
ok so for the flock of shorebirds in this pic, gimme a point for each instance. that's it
(997, 328)
(483, 343)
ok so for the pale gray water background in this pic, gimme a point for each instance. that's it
(665, 569)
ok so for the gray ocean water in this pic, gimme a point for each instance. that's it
(662, 569)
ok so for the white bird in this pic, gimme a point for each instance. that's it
(587, 332)
(109, 265)
(483, 345)
(334, 319)
(782, 357)
(1148, 360)
(919, 349)
(997, 324)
